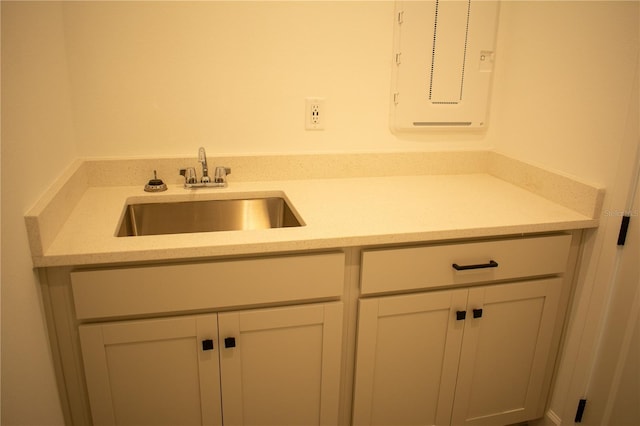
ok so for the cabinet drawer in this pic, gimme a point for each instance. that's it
(388, 270)
(204, 286)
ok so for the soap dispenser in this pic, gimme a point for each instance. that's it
(155, 184)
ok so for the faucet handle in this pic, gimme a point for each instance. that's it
(189, 175)
(220, 174)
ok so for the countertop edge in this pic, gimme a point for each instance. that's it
(274, 248)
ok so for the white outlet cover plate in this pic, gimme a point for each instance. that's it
(314, 114)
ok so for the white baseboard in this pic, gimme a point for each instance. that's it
(551, 418)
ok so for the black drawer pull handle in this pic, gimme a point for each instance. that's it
(461, 315)
(477, 313)
(207, 345)
(229, 342)
(491, 264)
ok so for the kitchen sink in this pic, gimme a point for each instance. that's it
(207, 216)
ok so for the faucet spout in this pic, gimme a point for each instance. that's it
(218, 180)
(202, 158)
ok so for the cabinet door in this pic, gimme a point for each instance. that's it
(506, 352)
(153, 372)
(407, 358)
(281, 366)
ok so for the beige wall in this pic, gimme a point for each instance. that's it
(233, 76)
(566, 99)
(564, 83)
(142, 79)
(37, 145)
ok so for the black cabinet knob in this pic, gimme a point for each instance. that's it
(477, 313)
(461, 315)
(207, 345)
(229, 342)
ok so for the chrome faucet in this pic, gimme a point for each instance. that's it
(202, 158)
(191, 181)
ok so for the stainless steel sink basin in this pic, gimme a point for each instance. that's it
(206, 216)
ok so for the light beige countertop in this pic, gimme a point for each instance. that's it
(337, 212)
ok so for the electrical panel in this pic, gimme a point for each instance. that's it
(444, 51)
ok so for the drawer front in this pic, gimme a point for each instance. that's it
(389, 270)
(205, 286)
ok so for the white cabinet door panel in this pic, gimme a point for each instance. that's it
(152, 372)
(505, 352)
(407, 358)
(283, 367)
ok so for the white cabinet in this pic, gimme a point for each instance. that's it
(505, 352)
(259, 341)
(479, 354)
(407, 353)
(247, 360)
(276, 366)
(285, 366)
(152, 372)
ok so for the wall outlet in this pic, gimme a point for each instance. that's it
(314, 114)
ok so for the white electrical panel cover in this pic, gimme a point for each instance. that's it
(444, 54)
